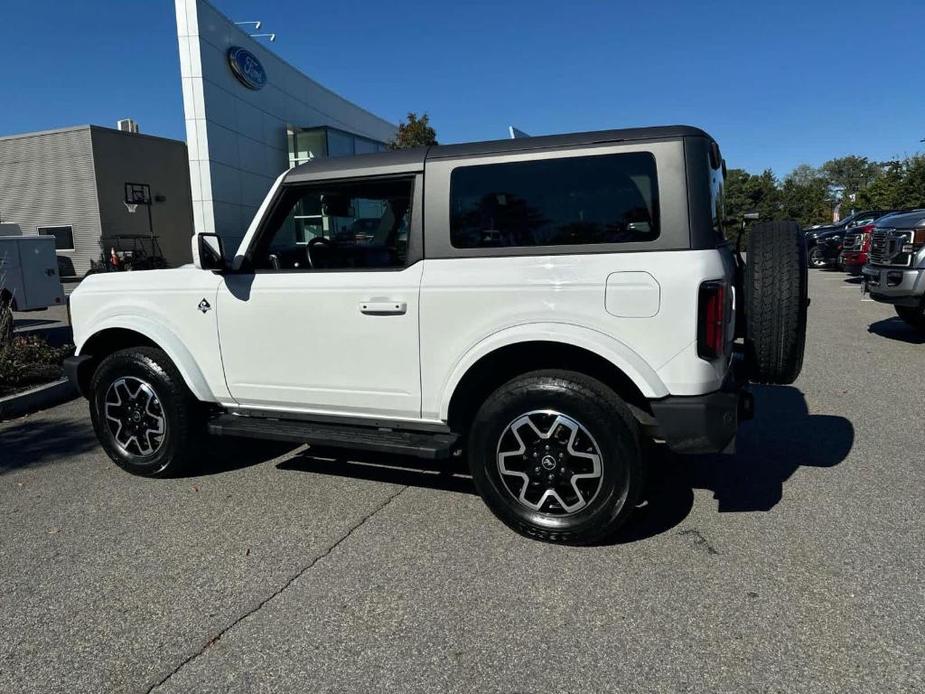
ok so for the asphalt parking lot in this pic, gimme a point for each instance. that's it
(796, 565)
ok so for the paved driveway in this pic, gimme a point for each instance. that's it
(795, 565)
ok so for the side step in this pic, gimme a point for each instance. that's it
(358, 438)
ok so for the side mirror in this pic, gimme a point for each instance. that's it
(211, 252)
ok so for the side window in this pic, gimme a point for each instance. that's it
(609, 198)
(339, 226)
(64, 236)
(862, 221)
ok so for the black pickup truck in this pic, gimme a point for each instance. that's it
(824, 244)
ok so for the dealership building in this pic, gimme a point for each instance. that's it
(249, 116)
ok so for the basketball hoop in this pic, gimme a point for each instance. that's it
(131, 207)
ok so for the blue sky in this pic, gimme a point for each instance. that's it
(777, 83)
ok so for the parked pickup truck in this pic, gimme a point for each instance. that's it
(543, 306)
(856, 249)
(895, 272)
(856, 243)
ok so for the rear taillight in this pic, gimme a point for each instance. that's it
(711, 314)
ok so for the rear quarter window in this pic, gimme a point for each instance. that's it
(611, 198)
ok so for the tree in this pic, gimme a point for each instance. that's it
(912, 188)
(747, 193)
(847, 176)
(885, 191)
(804, 174)
(805, 196)
(415, 132)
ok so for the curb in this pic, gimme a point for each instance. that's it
(36, 399)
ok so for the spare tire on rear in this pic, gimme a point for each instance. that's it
(775, 302)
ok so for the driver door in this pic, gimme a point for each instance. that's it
(325, 319)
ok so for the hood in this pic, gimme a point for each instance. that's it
(186, 277)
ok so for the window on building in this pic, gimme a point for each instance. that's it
(64, 236)
(319, 143)
(611, 198)
(340, 226)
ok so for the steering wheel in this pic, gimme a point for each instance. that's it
(321, 241)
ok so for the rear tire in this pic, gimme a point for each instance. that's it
(912, 315)
(776, 301)
(145, 417)
(556, 456)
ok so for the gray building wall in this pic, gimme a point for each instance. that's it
(122, 158)
(47, 179)
(76, 177)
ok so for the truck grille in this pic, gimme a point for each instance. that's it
(886, 245)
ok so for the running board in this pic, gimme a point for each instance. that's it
(358, 438)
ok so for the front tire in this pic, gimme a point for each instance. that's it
(556, 456)
(912, 315)
(817, 258)
(146, 419)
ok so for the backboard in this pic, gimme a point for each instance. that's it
(137, 194)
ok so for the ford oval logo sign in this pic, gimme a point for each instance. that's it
(246, 68)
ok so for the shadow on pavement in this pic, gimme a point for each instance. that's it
(31, 443)
(771, 448)
(450, 476)
(897, 329)
(783, 437)
(226, 453)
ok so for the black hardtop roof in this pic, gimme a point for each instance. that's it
(408, 159)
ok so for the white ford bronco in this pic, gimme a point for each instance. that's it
(544, 306)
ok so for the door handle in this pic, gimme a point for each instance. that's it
(383, 308)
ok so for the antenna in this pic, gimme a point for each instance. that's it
(272, 37)
(256, 24)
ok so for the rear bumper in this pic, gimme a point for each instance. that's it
(72, 367)
(702, 423)
(898, 286)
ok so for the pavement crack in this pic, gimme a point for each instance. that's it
(212, 640)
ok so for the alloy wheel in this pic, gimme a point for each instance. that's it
(549, 462)
(134, 416)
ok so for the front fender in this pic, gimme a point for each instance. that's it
(165, 339)
(613, 350)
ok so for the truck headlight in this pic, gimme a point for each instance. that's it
(917, 241)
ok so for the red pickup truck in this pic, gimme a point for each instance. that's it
(856, 249)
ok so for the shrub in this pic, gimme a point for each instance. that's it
(29, 360)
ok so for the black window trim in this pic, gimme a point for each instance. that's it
(39, 229)
(415, 235)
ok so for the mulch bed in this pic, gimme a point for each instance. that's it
(27, 361)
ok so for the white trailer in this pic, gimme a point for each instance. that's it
(29, 278)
